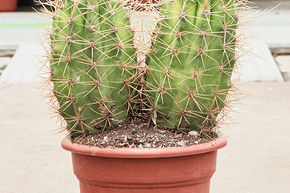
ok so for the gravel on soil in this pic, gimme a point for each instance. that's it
(134, 134)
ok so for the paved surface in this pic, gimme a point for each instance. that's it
(28, 64)
(256, 63)
(272, 27)
(31, 160)
(256, 160)
(284, 66)
(25, 31)
(21, 27)
(272, 23)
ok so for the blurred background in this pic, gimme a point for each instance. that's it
(256, 160)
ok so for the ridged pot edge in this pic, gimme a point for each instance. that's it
(143, 152)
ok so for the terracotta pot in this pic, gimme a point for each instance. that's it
(8, 5)
(144, 170)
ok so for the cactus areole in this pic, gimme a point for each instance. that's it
(111, 60)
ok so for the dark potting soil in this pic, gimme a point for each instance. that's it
(137, 134)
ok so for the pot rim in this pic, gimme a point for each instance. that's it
(160, 152)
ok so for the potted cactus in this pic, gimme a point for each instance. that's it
(141, 86)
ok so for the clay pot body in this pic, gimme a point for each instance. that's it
(144, 170)
(8, 5)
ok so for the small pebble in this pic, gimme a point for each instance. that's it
(106, 138)
(147, 145)
(193, 133)
(182, 143)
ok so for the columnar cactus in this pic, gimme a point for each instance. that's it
(192, 63)
(110, 59)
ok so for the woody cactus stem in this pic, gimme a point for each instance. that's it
(143, 24)
(109, 59)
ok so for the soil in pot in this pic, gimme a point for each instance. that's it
(141, 133)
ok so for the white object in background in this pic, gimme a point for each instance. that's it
(257, 64)
(26, 65)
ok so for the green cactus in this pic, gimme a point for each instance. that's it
(192, 65)
(105, 66)
(92, 57)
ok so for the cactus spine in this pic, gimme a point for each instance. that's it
(110, 59)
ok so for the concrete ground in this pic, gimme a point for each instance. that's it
(256, 160)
